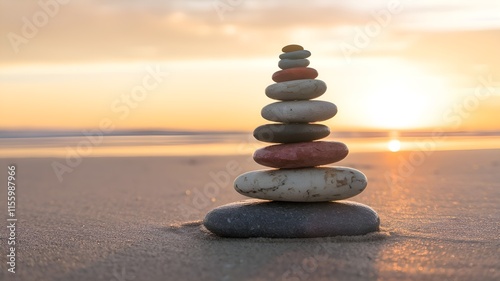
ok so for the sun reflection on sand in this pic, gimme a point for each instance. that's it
(394, 145)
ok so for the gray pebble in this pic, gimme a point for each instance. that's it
(303, 89)
(290, 133)
(288, 63)
(303, 111)
(272, 219)
(296, 55)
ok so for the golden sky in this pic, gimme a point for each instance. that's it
(389, 65)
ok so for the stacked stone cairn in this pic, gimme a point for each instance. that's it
(298, 198)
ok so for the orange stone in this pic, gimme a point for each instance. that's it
(292, 48)
(295, 73)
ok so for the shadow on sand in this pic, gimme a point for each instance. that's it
(188, 251)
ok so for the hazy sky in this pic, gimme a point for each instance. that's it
(387, 64)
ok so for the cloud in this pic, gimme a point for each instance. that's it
(126, 30)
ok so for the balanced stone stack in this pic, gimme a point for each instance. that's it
(296, 199)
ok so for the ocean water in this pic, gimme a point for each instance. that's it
(218, 144)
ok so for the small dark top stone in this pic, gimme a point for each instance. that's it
(292, 48)
(273, 219)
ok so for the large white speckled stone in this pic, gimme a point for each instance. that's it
(299, 111)
(302, 185)
(303, 89)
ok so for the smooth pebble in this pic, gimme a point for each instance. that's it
(262, 218)
(290, 133)
(295, 73)
(301, 154)
(299, 111)
(304, 89)
(292, 48)
(302, 185)
(286, 63)
(302, 54)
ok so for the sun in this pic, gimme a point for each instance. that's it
(401, 101)
(396, 106)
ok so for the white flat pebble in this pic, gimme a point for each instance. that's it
(302, 185)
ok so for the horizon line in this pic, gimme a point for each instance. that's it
(46, 133)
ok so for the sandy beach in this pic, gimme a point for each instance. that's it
(138, 218)
(124, 123)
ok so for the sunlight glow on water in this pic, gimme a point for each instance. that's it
(238, 144)
(394, 145)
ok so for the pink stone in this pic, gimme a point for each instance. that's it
(301, 155)
(295, 73)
